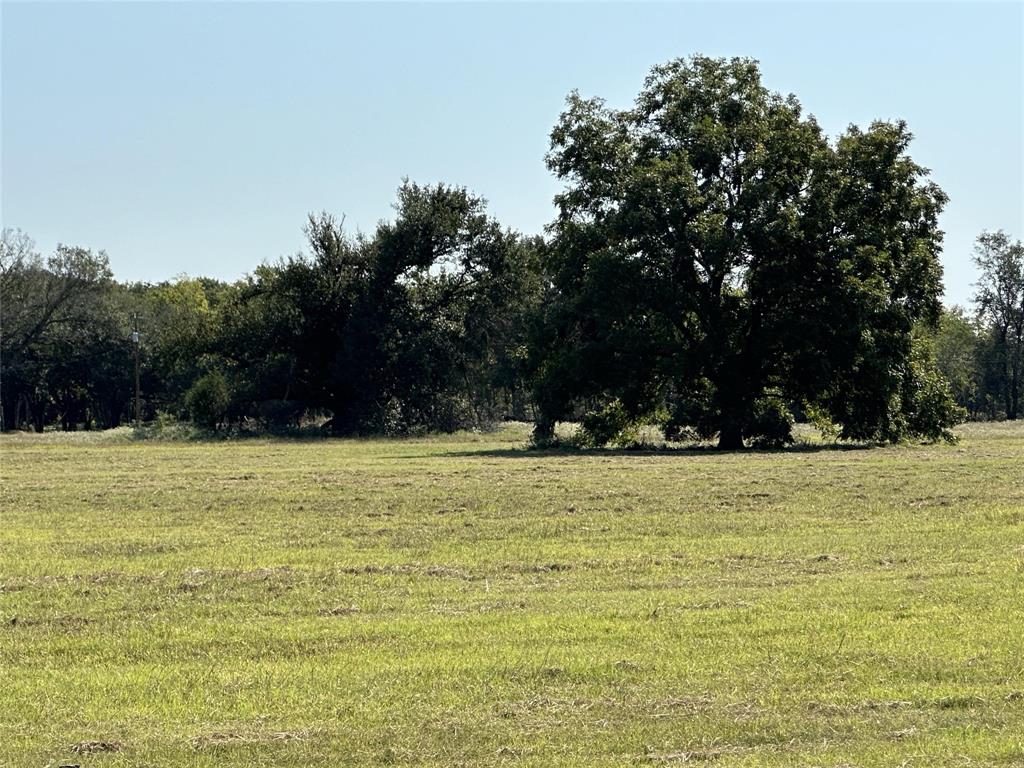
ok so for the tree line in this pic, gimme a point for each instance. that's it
(420, 326)
(717, 266)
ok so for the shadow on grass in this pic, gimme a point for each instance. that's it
(190, 434)
(518, 447)
(527, 452)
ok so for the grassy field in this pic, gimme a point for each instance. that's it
(460, 601)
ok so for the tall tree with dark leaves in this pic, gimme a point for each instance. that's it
(417, 326)
(715, 258)
(1000, 302)
(55, 317)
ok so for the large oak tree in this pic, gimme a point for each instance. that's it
(716, 258)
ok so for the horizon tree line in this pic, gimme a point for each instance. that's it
(717, 267)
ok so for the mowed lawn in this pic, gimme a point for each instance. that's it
(461, 601)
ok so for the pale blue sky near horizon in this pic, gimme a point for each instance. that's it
(196, 137)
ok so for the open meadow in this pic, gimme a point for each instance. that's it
(462, 601)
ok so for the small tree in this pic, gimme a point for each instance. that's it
(958, 346)
(208, 400)
(1000, 303)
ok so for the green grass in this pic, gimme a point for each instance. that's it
(457, 601)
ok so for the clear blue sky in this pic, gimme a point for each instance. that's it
(196, 137)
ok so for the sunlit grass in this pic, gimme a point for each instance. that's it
(460, 601)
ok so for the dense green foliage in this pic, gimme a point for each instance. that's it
(1000, 301)
(717, 267)
(716, 259)
(421, 326)
(63, 338)
(208, 400)
(981, 356)
(414, 327)
(459, 601)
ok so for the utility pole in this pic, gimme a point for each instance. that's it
(136, 340)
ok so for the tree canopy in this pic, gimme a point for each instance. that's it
(1000, 302)
(716, 260)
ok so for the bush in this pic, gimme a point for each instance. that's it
(281, 414)
(208, 400)
(771, 423)
(164, 420)
(928, 404)
(819, 418)
(690, 413)
(611, 425)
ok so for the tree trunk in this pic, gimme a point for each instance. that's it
(1013, 400)
(730, 438)
(10, 416)
(543, 430)
(20, 412)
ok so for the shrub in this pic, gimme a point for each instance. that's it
(611, 425)
(771, 423)
(930, 411)
(208, 400)
(281, 414)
